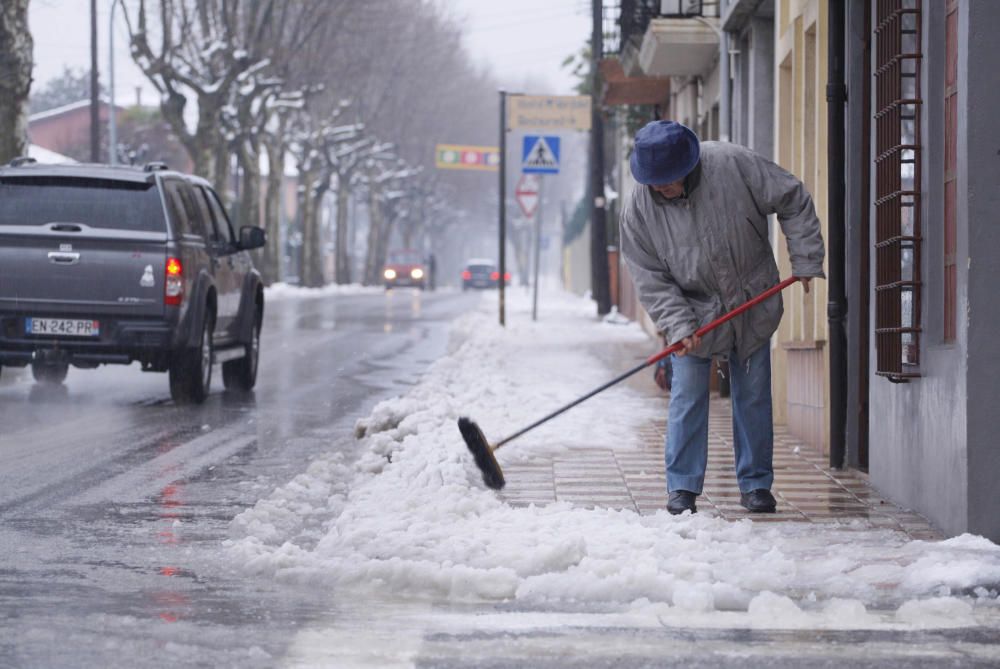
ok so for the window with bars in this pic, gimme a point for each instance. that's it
(897, 44)
(950, 171)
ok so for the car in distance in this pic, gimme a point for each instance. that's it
(105, 265)
(482, 273)
(405, 267)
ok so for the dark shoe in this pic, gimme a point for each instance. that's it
(681, 501)
(758, 501)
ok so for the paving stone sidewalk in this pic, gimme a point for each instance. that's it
(633, 478)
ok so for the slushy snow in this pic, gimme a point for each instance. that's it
(411, 517)
(285, 291)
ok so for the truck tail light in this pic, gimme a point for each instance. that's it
(495, 276)
(466, 275)
(174, 282)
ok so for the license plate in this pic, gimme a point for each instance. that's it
(62, 327)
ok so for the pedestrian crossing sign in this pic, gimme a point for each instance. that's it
(540, 155)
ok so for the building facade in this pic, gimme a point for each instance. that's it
(800, 357)
(922, 179)
(920, 195)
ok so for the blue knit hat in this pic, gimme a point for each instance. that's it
(664, 152)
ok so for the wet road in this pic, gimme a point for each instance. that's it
(114, 502)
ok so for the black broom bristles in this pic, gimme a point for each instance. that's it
(482, 453)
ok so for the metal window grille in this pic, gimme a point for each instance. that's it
(951, 172)
(897, 188)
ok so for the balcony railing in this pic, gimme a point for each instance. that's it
(635, 15)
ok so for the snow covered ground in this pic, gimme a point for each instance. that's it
(411, 520)
(284, 291)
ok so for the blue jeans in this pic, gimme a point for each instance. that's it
(753, 431)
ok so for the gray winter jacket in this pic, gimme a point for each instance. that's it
(696, 257)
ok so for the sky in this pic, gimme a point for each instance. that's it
(525, 39)
(61, 31)
(521, 41)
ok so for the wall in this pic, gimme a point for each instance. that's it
(978, 55)
(918, 432)
(64, 132)
(753, 85)
(799, 353)
(576, 263)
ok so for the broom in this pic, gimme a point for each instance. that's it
(481, 449)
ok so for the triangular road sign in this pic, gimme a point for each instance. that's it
(526, 194)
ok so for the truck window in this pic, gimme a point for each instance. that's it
(98, 203)
(201, 209)
(183, 210)
(223, 229)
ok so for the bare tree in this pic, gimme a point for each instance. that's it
(262, 97)
(200, 49)
(317, 147)
(386, 184)
(15, 77)
(345, 162)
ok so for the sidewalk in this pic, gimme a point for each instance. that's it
(807, 490)
(576, 562)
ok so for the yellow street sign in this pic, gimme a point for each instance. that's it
(461, 157)
(549, 112)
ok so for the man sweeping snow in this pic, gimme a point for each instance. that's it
(694, 234)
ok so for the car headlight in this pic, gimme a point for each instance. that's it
(389, 274)
(417, 273)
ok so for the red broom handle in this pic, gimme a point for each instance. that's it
(770, 292)
(662, 354)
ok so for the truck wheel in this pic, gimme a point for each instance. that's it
(191, 370)
(48, 372)
(241, 374)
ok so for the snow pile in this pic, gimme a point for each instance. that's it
(282, 291)
(416, 519)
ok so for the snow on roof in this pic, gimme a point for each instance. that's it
(65, 109)
(46, 157)
(56, 111)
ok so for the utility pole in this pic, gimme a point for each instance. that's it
(95, 118)
(538, 248)
(599, 275)
(836, 309)
(503, 204)
(112, 121)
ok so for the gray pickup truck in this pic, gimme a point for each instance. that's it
(115, 265)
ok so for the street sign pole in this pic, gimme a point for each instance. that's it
(599, 270)
(503, 203)
(538, 246)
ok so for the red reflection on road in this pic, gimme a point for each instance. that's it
(172, 604)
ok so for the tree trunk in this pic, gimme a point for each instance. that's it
(342, 262)
(408, 232)
(372, 266)
(306, 180)
(385, 234)
(221, 169)
(312, 274)
(250, 189)
(270, 261)
(15, 78)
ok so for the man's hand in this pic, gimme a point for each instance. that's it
(805, 282)
(690, 344)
